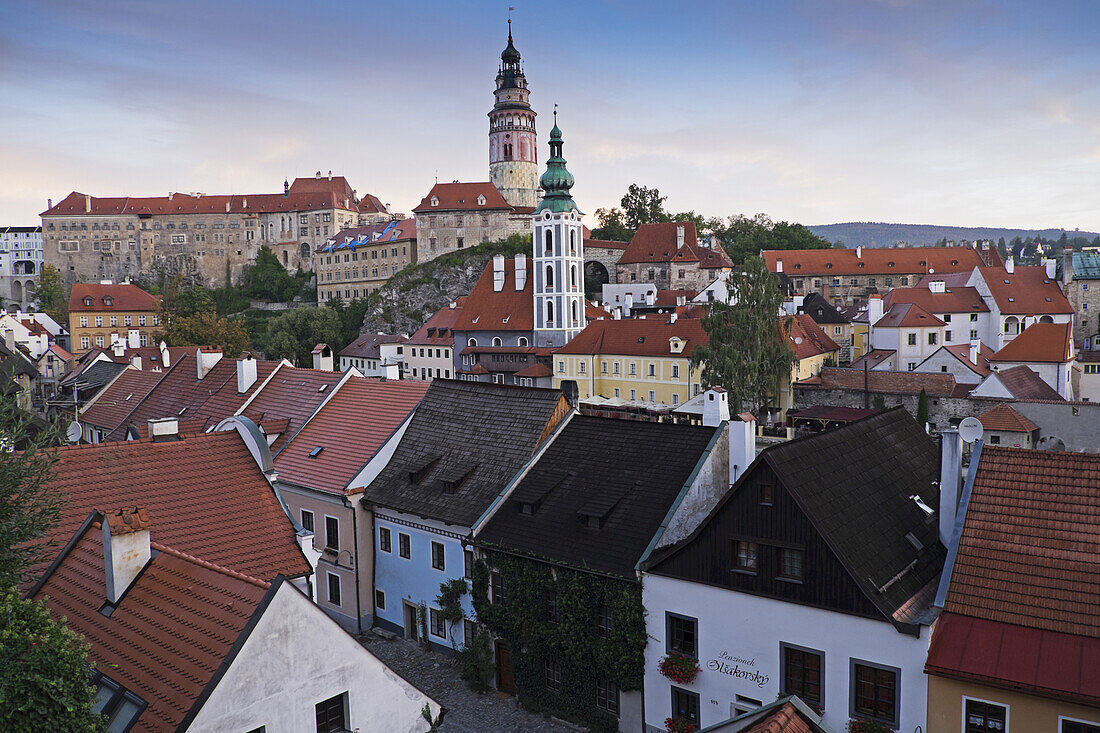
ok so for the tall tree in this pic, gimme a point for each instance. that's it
(43, 672)
(748, 352)
(207, 329)
(642, 205)
(268, 279)
(612, 226)
(51, 296)
(292, 335)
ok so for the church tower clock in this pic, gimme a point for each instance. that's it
(513, 157)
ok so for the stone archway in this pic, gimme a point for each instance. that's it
(595, 277)
(17, 291)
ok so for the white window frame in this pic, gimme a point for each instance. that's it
(313, 519)
(1008, 712)
(1067, 719)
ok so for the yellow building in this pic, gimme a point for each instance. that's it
(641, 359)
(100, 313)
(813, 349)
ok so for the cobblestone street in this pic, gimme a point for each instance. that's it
(439, 676)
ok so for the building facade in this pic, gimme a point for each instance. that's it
(361, 259)
(1080, 279)
(101, 314)
(20, 265)
(457, 215)
(670, 255)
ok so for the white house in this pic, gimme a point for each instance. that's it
(911, 332)
(968, 363)
(964, 313)
(1018, 297)
(1045, 348)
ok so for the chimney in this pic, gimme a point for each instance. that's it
(521, 271)
(937, 286)
(742, 444)
(49, 204)
(453, 304)
(244, 203)
(1010, 265)
(617, 314)
(975, 347)
(1067, 265)
(859, 251)
(170, 195)
(628, 305)
(205, 360)
(318, 175)
(118, 346)
(164, 429)
(125, 549)
(133, 338)
(672, 318)
(716, 407)
(950, 474)
(799, 301)
(874, 308)
(1052, 267)
(246, 372)
(651, 297)
(498, 273)
(164, 355)
(679, 237)
(322, 358)
(286, 187)
(330, 175)
(779, 266)
(87, 204)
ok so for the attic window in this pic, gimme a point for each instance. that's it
(129, 396)
(108, 301)
(1011, 300)
(88, 302)
(419, 474)
(917, 544)
(954, 262)
(452, 483)
(1048, 300)
(641, 339)
(798, 266)
(435, 201)
(890, 263)
(923, 263)
(829, 266)
(182, 410)
(316, 451)
(480, 200)
(862, 265)
(322, 388)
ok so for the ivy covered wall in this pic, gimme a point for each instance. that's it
(571, 637)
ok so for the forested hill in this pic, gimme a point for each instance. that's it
(881, 234)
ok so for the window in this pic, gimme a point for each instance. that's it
(615, 368)
(141, 320)
(128, 320)
(874, 692)
(435, 623)
(98, 321)
(607, 696)
(84, 321)
(788, 564)
(604, 620)
(550, 604)
(438, 559)
(403, 545)
(581, 367)
(468, 564)
(652, 369)
(982, 717)
(85, 342)
(680, 634)
(332, 533)
(933, 338)
(973, 317)
(334, 589)
(553, 676)
(745, 556)
(675, 371)
(380, 599)
(946, 336)
(99, 341)
(1079, 726)
(652, 396)
(767, 494)
(633, 369)
(685, 705)
(118, 705)
(496, 583)
(469, 632)
(384, 539)
(332, 713)
(801, 672)
(633, 394)
(114, 320)
(912, 339)
(307, 519)
(995, 439)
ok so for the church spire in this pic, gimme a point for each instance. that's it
(556, 182)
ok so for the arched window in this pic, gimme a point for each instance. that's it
(1012, 325)
(471, 342)
(1046, 319)
(575, 319)
(573, 277)
(507, 151)
(572, 241)
(549, 312)
(286, 258)
(305, 251)
(497, 341)
(548, 248)
(549, 277)
(523, 341)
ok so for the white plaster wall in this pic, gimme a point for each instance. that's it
(1055, 375)
(944, 358)
(1089, 387)
(296, 657)
(709, 486)
(751, 627)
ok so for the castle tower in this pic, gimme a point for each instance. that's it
(513, 157)
(558, 259)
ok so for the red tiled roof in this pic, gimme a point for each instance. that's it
(605, 244)
(371, 204)
(462, 197)
(887, 261)
(124, 297)
(168, 634)
(75, 204)
(60, 352)
(443, 320)
(786, 719)
(1003, 417)
(637, 337)
(508, 310)
(954, 300)
(120, 398)
(361, 415)
(872, 358)
(962, 353)
(907, 315)
(1025, 384)
(1027, 291)
(205, 493)
(1045, 663)
(535, 370)
(1030, 544)
(1050, 343)
(366, 346)
(323, 184)
(293, 394)
(658, 243)
(934, 385)
(666, 298)
(807, 339)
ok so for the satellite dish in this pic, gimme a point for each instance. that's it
(970, 429)
(74, 432)
(931, 271)
(798, 339)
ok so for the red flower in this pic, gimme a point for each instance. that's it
(679, 667)
(680, 725)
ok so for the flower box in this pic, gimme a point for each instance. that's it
(680, 725)
(679, 667)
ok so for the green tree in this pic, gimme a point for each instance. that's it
(642, 205)
(207, 329)
(292, 335)
(43, 672)
(922, 408)
(748, 352)
(29, 505)
(351, 319)
(449, 602)
(612, 226)
(1002, 248)
(51, 297)
(267, 279)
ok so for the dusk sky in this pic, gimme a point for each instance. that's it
(953, 113)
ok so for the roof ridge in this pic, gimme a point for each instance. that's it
(210, 566)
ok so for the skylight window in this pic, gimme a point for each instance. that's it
(129, 396)
(182, 410)
(322, 388)
(316, 451)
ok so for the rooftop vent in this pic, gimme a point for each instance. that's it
(316, 451)
(419, 474)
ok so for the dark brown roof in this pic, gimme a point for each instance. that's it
(291, 394)
(1024, 384)
(439, 330)
(934, 385)
(115, 403)
(1003, 417)
(367, 345)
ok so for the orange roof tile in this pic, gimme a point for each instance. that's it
(359, 417)
(605, 243)
(462, 197)
(962, 353)
(1026, 291)
(953, 300)
(292, 394)
(509, 309)
(787, 719)
(1050, 343)
(120, 398)
(123, 297)
(1003, 417)
(637, 337)
(439, 329)
(807, 339)
(535, 370)
(75, 204)
(884, 261)
(1025, 384)
(934, 385)
(907, 315)
(658, 243)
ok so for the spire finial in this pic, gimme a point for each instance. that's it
(510, 9)
(555, 114)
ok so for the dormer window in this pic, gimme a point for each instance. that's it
(676, 345)
(435, 201)
(88, 302)
(419, 474)
(316, 451)
(481, 200)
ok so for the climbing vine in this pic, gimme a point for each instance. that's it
(574, 641)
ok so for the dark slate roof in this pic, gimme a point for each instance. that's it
(821, 310)
(97, 375)
(854, 484)
(476, 434)
(627, 473)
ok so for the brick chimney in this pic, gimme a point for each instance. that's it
(164, 429)
(125, 549)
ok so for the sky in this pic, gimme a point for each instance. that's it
(960, 112)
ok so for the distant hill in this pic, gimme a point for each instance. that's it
(881, 234)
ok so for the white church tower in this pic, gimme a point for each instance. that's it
(558, 261)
